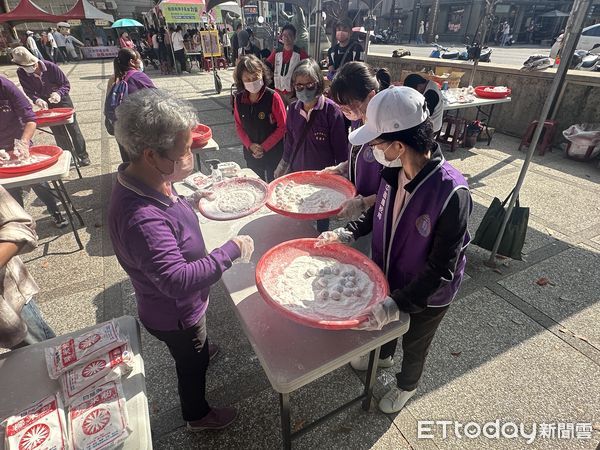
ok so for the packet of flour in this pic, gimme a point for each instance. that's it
(41, 426)
(107, 367)
(98, 418)
(82, 349)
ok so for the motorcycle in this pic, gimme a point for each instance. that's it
(537, 62)
(464, 55)
(586, 60)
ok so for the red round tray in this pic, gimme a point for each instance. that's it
(201, 135)
(274, 261)
(42, 116)
(207, 209)
(15, 171)
(480, 92)
(336, 182)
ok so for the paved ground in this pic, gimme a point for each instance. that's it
(511, 56)
(509, 349)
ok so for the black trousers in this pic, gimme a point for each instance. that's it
(189, 349)
(69, 136)
(415, 346)
(42, 191)
(180, 57)
(265, 166)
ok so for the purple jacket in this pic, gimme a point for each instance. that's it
(402, 249)
(364, 171)
(138, 80)
(326, 143)
(51, 80)
(157, 240)
(15, 112)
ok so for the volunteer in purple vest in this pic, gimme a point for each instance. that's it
(158, 241)
(128, 66)
(48, 87)
(259, 117)
(353, 87)
(419, 226)
(316, 134)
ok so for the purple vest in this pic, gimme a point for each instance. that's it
(363, 170)
(401, 249)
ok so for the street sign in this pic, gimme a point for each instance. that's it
(101, 22)
(181, 13)
(74, 22)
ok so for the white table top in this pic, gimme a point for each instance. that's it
(24, 380)
(57, 171)
(478, 102)
(292, 355)
(212, 145)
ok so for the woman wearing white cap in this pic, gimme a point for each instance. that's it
(419, 226)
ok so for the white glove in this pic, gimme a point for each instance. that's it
(246, 245)
(21, 149)
(195, 198)
(41, 103)
(339, 235)
(352, 208)
(281, 169)
(379, 315)
(340, 169)
(54, 97)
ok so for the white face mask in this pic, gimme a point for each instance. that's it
(380, 157)
(254, 86)
(181, 169)
(30, 69)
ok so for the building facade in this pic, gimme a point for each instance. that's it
(117, 8)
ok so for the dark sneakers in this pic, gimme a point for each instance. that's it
(84, 161)
(59, 220)
(216, 419)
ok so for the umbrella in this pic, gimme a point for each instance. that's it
(555, 13)
(122, 23)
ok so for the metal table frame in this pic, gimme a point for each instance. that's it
(71, 148)
(212, 145)
(54, 175)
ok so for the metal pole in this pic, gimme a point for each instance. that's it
(573, 30)
(319, 17)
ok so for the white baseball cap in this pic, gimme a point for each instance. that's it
(394, 109)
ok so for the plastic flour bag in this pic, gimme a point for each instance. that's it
(98, 418)
(42, 426)
(107, 367)
(82, 349)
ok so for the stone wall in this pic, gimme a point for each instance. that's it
(579, 103)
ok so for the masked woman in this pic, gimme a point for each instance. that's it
(158, 241)
(419, 226)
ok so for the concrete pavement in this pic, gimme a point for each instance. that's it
(508, 350)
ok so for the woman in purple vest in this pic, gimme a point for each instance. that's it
(316, 134)
(259, 117)
(354, 85)
(419, 225)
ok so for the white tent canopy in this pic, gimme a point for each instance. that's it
(91, 12)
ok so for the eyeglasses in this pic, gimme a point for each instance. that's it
(301, 87)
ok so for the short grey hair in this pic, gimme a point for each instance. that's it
(309, 67)
(152, 118)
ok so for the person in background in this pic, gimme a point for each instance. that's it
(344, 50)
(419, 226)
(21, 322)
(71, 42)
(179, 49)
(17, 126)
(44, 46)
(61, 44)
(155, 46)
(235, 44)
(298, 20)
(505, 35)
(226, 43)
(284, 61)
(316, 135)
(353, 87)
(246, 47)
(127, 67)
(421, 32)
(32, 46)
(52, 47)
(158, 241)
(259, 117)
(48, 87)
(125, 41)
(433, 98)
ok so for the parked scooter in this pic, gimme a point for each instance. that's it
(586, 60)
(445, 53)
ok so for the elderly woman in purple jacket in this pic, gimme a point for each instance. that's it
(354, 85)
(419, 226)
(316, 134)
(157, 240)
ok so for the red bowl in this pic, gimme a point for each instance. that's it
(207, 207)
(201, 135)
(50, 116)
(480, 91)
(272, 264)
(336, 182)
(51, 150)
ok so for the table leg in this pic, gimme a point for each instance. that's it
(70, 203)
(198, 162)
(286, 426)
(61, 192)
(73, 153)
(370, 380)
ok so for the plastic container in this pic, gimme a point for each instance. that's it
(201, 134)
(481, 91)
(273, 262)
(14, 171)
(209, 208)
(47, 117)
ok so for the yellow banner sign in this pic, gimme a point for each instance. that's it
(175, 13)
